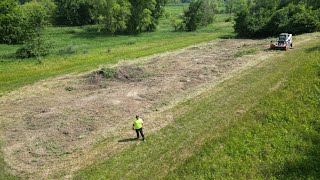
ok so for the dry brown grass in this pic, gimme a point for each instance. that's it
(55, 126)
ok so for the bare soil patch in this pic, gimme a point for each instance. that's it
(59, 125)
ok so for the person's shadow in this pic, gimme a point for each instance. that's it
(127, 140)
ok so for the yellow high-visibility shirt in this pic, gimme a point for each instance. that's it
(138, 123)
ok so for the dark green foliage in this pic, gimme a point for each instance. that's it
(294, 19)
(34, 24)
(107, 72)
(193, 15)
(33, 48)
(235, 6)
(178, 25)
(242, 21)
(199, 13)
(269, 18)
(141, 15)
(130, 16)
(69, 88)
(111, 15)
(23, 1)
(10, 22)
(73, 12)
(156, 14)
(304, 22)
(20, 23)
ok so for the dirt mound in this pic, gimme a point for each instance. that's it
(131, 73)
(125, 73)
(53, 125)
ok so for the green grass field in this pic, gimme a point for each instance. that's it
(262, 124)
(80, 49)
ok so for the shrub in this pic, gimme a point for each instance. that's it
(241, 23)
(193, 15)
(10, 22)
(200, 13)
(157, 12)
(70, 49)
(69, 88)
(34, 44)
(19, 23)
(107, 72)
(112, 16)
(178, 25)
(33, 48)
(141, 15)
(229, 19)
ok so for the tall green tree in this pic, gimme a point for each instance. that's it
(74, 12)
(37, 19)
(157, 12)
(234, 6)
(141, 15)
(11, 18)
(112, 15)
(199, 13)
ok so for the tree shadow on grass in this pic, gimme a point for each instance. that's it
(8, 56)
(308, 167)
(93, 32)
(127, 140)
(91, 35)
(312, 49)
(228, 37)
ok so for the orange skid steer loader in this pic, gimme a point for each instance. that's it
(284, 42)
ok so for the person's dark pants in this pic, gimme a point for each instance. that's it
(141, 132)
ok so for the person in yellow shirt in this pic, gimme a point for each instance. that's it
(138, 126)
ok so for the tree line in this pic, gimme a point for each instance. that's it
(113, 16)
(23, 21)
(263, 18)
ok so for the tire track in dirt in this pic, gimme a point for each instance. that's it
(54, 126)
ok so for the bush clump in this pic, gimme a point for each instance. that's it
(70, 49)
(33, 48)
(107, 72)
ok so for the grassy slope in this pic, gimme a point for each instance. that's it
(92, 49)
(279, 138)
(183, 149)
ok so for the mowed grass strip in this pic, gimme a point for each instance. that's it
(4, 174)
(206, 120)
(277, 139)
